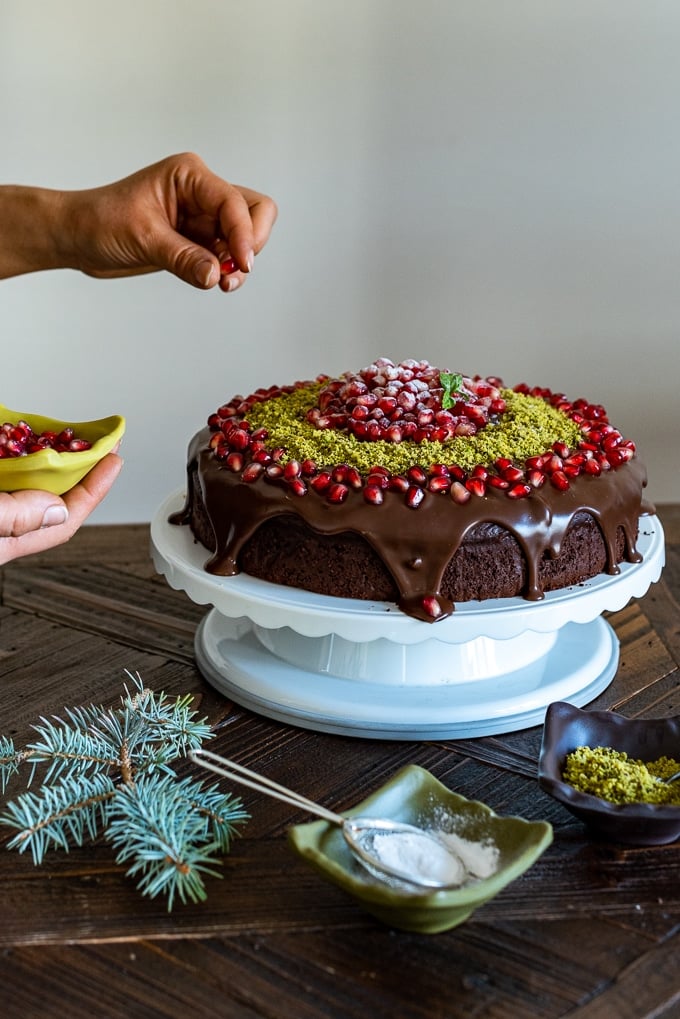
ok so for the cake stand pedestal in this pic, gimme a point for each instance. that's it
(365, 669)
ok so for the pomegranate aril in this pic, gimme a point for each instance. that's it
(297, 487)
(519, 491)
(373, 494)
(414, 496)
(337, 493)
(559, 480)
(417, 476)
(397, 483)
(431, 606)
(234, 461)
(619, 455)
(238, 439)
(252, 472)
(459, 493)
(512, 473)
(321, 481)
(476, 486)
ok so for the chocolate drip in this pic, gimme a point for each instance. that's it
(416, 545)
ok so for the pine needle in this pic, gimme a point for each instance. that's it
(107, 771)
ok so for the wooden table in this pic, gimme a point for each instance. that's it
(591, 929)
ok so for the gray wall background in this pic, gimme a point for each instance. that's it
(494, 186)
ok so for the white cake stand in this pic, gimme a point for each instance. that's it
(365, 669)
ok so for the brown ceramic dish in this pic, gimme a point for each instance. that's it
(567, 727)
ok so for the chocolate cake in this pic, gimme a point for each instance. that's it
(410, 484)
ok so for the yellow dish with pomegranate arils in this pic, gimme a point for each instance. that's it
(48, 469)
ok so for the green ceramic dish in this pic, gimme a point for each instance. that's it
(57, 472)
(417, 797)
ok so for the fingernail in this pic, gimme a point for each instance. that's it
(205, 273)
(54, 515)
(234, 283)
(250, 260)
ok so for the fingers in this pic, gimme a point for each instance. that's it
(86, 496)
(34, 521)
(263, 212)
(233, 222)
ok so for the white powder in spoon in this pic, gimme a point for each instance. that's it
(420, 857)
(436, 855)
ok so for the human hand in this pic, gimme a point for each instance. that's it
(34, 521)
(175, 215)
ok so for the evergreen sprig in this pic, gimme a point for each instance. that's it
(107, 771)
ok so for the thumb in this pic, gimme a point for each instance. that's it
(30, 510)
(191, 263)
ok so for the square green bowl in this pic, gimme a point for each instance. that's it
(415, 796)
(55, 472)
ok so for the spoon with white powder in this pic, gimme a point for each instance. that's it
(391, 849)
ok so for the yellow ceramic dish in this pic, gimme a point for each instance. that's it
(57, 472)
(417, 797)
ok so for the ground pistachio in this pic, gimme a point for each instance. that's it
(614, 776)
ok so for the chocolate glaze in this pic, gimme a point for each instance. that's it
(416, 544)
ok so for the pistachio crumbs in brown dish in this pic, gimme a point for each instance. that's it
(412, 484)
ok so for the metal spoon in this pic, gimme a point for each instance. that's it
(360, 833)
(671, 778)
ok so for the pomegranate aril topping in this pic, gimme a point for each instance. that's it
(536, 478)
(414, 496)
(297, 487)
(432, 607)
(519, 491)
(477, 486)
(417, 476)
(238, 439)
(234, 461)
(398, 484)
(252, 472)
(321, 481)
(459, 493)
(559, 480)
(619, 455)
(374, 495)
(512, 473)
(553, 464)
(337, 493)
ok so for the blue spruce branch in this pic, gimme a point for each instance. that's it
(107, 771)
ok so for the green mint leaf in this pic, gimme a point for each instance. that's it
(451, 384)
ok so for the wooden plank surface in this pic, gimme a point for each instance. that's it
(591, 930)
